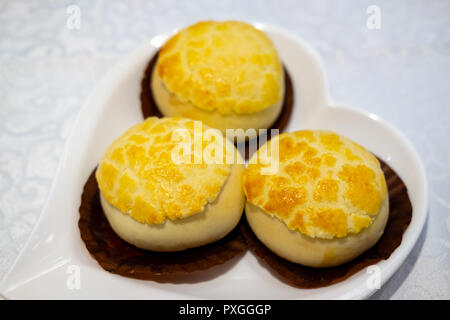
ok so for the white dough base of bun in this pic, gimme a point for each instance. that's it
(215, 222)
(313, 252)
(170, 106)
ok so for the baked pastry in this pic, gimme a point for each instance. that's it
(226, 74)
(326, 204)
(157, 202)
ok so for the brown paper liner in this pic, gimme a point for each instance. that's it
(116, 256)
(306, 277)
(149, 107)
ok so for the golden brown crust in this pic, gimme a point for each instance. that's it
(301, 276)
(326, 186)
(117, 256)
(228, 67)
(138, 176)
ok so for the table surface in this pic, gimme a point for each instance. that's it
(399, 72)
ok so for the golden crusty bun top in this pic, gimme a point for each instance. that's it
(228, 67)
(326, 185)
(139, 176)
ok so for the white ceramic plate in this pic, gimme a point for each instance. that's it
(55, 258)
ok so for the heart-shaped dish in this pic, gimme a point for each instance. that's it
(55, 263)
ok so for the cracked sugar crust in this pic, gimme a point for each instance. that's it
(327, 185)
(229, 67)
(138, 176)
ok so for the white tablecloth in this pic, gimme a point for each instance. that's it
(399, 72)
